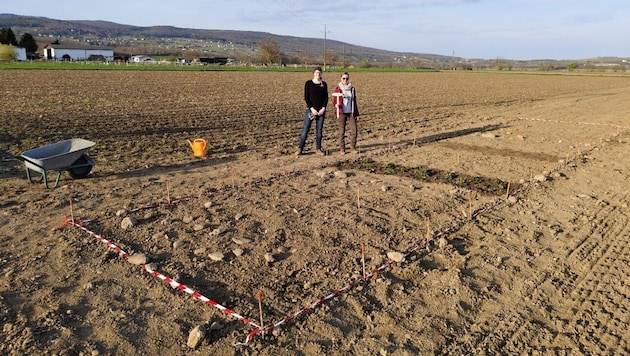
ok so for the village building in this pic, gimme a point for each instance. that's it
(77, 52)
(142, 59)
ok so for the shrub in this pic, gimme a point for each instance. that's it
(8, 53)
(365, 64)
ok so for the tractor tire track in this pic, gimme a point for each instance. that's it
(577, 301)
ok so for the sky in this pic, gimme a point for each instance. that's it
(486, 29)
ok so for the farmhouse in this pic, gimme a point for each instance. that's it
(142, 59)
(74, 52)
(214, 60)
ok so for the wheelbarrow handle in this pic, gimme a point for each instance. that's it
(11, 155)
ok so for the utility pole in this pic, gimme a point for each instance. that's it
(325, 46)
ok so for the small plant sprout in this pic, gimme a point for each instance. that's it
(449, 176)
(389, 168)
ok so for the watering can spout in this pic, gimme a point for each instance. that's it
(198, 146)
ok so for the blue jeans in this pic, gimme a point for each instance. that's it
(319, 128)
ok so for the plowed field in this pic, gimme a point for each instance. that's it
(485, 213)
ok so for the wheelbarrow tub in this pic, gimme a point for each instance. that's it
(57, 156)
(61, 156)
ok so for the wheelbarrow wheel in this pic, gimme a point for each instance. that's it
(82, 169)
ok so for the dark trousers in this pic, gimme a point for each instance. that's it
(306, 127)
(351, 122)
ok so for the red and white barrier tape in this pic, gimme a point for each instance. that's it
(457, 224)
(258, 328)
(173, 283)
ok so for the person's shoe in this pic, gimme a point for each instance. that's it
(298, 152)
(321, 152)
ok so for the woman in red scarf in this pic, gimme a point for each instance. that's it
(345, 101)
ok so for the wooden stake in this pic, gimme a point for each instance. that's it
(507, 194)
(469, 206)
(168, 192)
(259, 297)
(71, 211)
(428, 229)
(363, 260)
(358, 198)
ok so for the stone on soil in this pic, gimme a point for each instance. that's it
(216, 256)
(128, 222)
(138, 259)
(396, 256)
(196, 336)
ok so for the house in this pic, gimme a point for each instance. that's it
(142, 59)
(213, 60)
(77, 52)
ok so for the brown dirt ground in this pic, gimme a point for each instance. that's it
(540, 268)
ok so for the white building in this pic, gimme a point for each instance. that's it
(21, 53)
(76, 52)
(142, 59)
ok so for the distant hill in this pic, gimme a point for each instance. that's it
(243, 46)
(214, 42)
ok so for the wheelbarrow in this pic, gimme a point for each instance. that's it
(67, 155)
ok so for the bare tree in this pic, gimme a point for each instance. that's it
(332, 57)
(191, 55)
(306, 57)
(269, 51)
(416, 63)
(499, 63)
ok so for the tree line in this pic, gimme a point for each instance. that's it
(27, 41)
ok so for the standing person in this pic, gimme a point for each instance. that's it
(316, 97)
(345, 102)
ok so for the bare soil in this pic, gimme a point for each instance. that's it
(486, 213)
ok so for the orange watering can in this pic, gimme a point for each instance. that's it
(198, 146)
